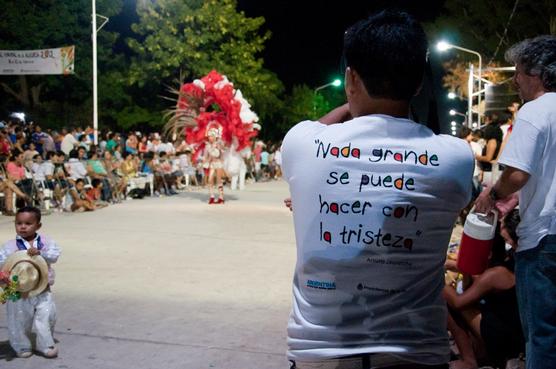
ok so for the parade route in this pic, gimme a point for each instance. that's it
(171, 283)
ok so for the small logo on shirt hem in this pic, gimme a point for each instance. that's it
(322, 285)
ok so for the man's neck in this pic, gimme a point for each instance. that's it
(393, 108)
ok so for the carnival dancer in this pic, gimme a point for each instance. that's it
(214, 118)
(213, 159)
(26, 279)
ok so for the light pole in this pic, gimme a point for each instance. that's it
(95, 84)
(453, 112)
(336, 83)
(443, 46)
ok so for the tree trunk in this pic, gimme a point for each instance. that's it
(22, 95)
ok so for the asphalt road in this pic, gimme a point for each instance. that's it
(171, 283)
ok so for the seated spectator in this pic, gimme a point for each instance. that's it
(83, 142)
(28, 156)
(17, 173)
(8, 188)
(96, 170)
(117, 182)
(486, 313)
(45, 172)
(94, 194)
(77, 200)
(5, 145)
(129, 167)
(82, 154)
(163, 175)
(69, 142)
(143, 145)
(131, 144)
(117, 152)
(75, 167)
(20, 142)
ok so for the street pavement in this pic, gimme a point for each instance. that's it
(171, 283)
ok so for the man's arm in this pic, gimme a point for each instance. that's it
(512, 180)
(339, 115)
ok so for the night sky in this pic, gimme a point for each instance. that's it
(306, 41)
(306, 45)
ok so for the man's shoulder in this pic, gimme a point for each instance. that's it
(300, 130)
(539, 110)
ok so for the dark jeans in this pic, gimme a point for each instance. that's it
(535, 274)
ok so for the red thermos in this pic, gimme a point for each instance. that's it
(476, 242)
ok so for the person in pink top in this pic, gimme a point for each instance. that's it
(15, 169)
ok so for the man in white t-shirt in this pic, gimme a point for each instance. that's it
(374, 203)
(530, 157)
(69, 142)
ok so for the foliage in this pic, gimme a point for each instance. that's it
(457, 76)
(190, 38)
(479, 25)
(28, 24)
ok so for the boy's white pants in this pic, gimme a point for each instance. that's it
(33, 316)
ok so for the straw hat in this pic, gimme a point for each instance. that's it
(31, 272)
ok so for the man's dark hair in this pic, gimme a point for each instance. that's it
(73, 154)
(79, 180)
(464, 132)
(92, 153)
(31, 209)
(389, 52)
(162, 154)
(538, 58)
(511, 221)
(50, 155)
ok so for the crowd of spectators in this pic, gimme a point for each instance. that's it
(64, 170)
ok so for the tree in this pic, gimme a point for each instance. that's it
(190, 38)
(490, 28)
(28, 24)
(481, 25)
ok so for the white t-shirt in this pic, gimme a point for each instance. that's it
(532, 148)
(76, 169)
(374, 200)
(477, 150)
(68, 143)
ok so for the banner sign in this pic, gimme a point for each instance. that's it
(45, 61)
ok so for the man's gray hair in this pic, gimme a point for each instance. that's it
(538, 58)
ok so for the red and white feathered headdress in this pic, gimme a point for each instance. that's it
(209, 102)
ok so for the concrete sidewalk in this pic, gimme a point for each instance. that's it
(171, 283)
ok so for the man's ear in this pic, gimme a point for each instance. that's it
(350, 81)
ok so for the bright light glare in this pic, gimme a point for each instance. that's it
(452, 112)
(474, 125)
(451, 95)
(337, 83)
(443, 46)
(453, 124)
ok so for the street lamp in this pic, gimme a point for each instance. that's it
(453, 112)
(336, 83)
(443, 46)
(95, 85)
(452, 95)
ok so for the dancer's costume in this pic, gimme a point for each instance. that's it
(35, 311)
(211, 106)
